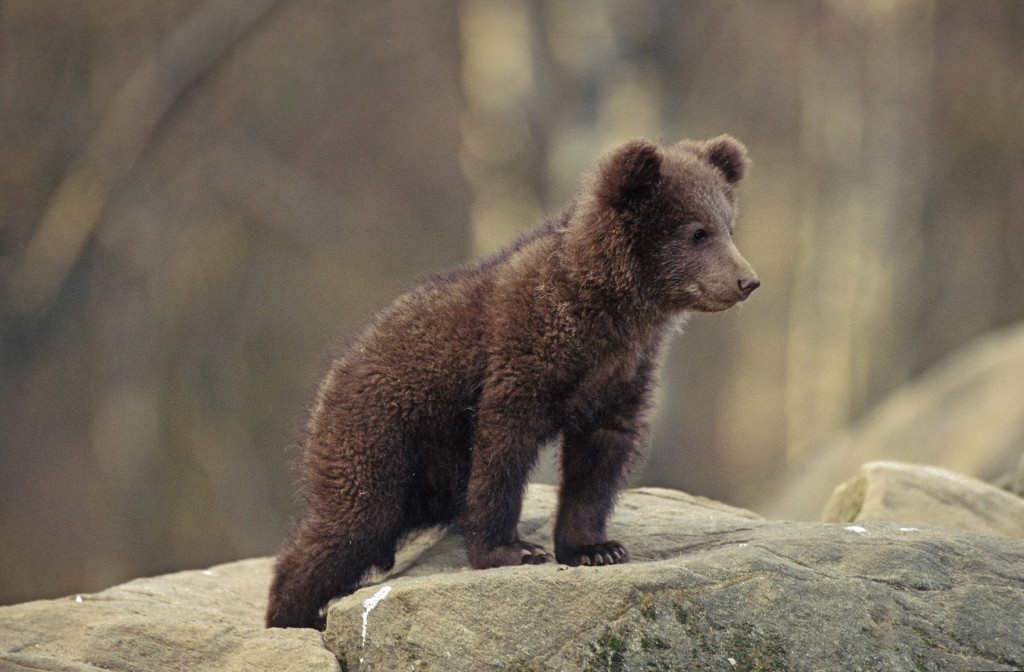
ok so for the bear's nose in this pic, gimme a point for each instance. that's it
(748, 285)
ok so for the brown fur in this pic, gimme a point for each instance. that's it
(435, 414)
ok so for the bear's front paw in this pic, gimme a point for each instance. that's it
(604, 553)
(517, 553)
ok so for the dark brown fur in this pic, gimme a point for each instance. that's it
(435, 414)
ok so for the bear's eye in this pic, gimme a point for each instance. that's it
(699, 235)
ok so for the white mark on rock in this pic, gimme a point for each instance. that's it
(732, 661)
(909, 529)
(856, 528)
(369, 604)
(744, 545)
(78, 598)
(207, 572)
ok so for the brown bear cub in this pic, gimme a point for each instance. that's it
(436, 412)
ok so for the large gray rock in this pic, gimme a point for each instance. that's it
(709, 588)
(196, 620)
(913, 493)
(966, 414)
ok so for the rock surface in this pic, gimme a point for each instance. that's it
(966, 414)
(710, 588)
(916, 494)
(196, 620)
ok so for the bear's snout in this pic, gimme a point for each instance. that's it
(748, 285)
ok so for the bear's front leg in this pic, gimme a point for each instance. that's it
(593, 470)
(504, 451)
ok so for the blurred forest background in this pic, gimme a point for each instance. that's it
(198, 197)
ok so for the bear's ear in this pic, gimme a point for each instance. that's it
(728, 155)
(630, 174)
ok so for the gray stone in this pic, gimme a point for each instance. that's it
(195, 620)
(912, 494)
(966, 414)
(709, 588)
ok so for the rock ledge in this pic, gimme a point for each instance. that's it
(711, 587)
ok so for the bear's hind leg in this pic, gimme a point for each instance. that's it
(348, 530)
(320, 563)
(307, 574)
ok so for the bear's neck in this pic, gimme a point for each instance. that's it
(602, 279)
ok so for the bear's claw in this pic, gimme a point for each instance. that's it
(605, 553)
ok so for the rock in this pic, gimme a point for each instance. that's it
(966, 414)
(195, 620)
(915, 494)
(709, 588)
(662, 523)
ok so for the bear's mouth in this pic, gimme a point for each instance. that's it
(705, 301)
(714, 304)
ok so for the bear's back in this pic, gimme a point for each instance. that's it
(424, 356)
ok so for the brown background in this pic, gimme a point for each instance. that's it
(198, 197)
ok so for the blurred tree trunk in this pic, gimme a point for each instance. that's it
(124, 131)
(975, 192)
(866, 75)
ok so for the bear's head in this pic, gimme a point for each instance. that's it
(675, 208)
